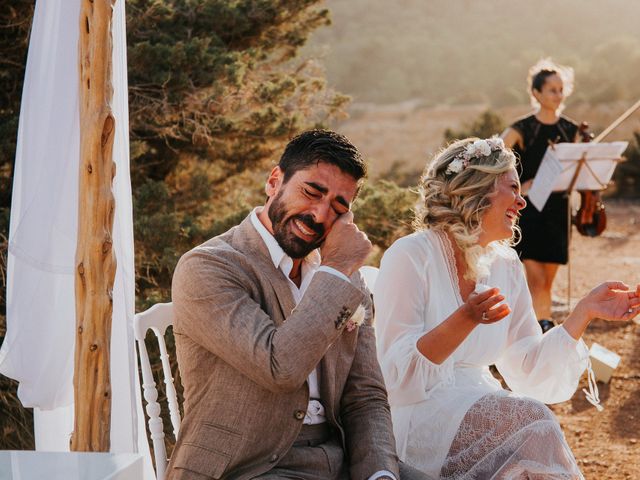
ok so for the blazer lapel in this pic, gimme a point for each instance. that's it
(334, 370)
(249, 241)
(283, 294)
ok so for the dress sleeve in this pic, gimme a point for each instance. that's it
(545, 367)
(400, 299)
(519, 126)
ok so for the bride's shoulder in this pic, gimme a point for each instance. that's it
(505, 251)
(416, 245)
(419, 240)
(507, 257)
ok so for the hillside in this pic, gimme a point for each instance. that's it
(477, 52)
(408, 133)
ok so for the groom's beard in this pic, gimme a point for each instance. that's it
(290, 243)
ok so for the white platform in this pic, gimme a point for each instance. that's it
(31, 465)
(603, 362)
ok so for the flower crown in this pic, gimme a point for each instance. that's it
(477, 149)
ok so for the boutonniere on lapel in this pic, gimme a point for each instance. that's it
(356, 319)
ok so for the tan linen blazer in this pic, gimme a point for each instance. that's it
(245, 353)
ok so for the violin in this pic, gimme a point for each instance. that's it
(591, 218)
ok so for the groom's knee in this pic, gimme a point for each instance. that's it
(407, 472)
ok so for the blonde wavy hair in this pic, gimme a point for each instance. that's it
(455, 202)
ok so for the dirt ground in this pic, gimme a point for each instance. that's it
(606, 443)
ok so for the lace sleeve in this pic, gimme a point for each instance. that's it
(400, 298)
(545, 367)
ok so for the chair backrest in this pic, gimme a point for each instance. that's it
(157, 318)
(370, 274)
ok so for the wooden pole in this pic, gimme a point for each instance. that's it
(574, 179)
(95, 260)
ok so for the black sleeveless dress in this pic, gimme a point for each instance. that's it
(545, 237)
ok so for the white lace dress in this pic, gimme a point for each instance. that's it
(454, 420)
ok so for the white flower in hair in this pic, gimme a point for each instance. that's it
(479, 148)
(506, 155)
(469, 151)
(456, 165)
(495, 143)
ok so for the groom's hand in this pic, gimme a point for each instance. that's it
(346, 247)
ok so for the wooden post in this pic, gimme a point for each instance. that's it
(95, 260)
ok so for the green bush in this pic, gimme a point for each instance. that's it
(385, 212)
(489, 123)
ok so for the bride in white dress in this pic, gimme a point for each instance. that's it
(452, 299)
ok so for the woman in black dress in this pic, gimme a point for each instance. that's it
(545, 240)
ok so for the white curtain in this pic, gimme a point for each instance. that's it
(38, 349)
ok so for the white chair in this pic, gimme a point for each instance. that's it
(157, 318)
(370, 274)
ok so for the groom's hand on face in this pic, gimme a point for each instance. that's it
(346, 247)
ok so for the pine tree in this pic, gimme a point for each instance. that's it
(215, 89)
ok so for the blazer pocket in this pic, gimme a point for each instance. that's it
(210, 450)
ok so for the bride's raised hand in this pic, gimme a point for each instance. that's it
(612, 301)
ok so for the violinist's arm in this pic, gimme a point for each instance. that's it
(512, 137)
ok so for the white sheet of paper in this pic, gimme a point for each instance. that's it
(545, 178)
(602, 160)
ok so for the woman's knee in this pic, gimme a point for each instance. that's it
(539, 278)
(531, 411)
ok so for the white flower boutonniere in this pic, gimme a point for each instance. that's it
(356, 319)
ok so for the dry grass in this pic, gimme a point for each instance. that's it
(16, 422)
(409, 133)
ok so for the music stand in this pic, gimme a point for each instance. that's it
(566, 167)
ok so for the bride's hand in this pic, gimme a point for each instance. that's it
(481, 307)
(612, 301)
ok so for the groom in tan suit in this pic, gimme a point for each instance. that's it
(273, 328)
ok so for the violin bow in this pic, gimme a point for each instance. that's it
(617, 122)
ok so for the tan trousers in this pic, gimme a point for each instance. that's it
(315, 455)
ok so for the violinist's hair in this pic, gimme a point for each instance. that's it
(455, 203)
(542, 70)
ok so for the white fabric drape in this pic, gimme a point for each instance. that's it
(38, 350)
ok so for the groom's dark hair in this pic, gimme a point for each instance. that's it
(316, 146)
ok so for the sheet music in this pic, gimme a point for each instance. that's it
(595, 175)
(545, 178)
